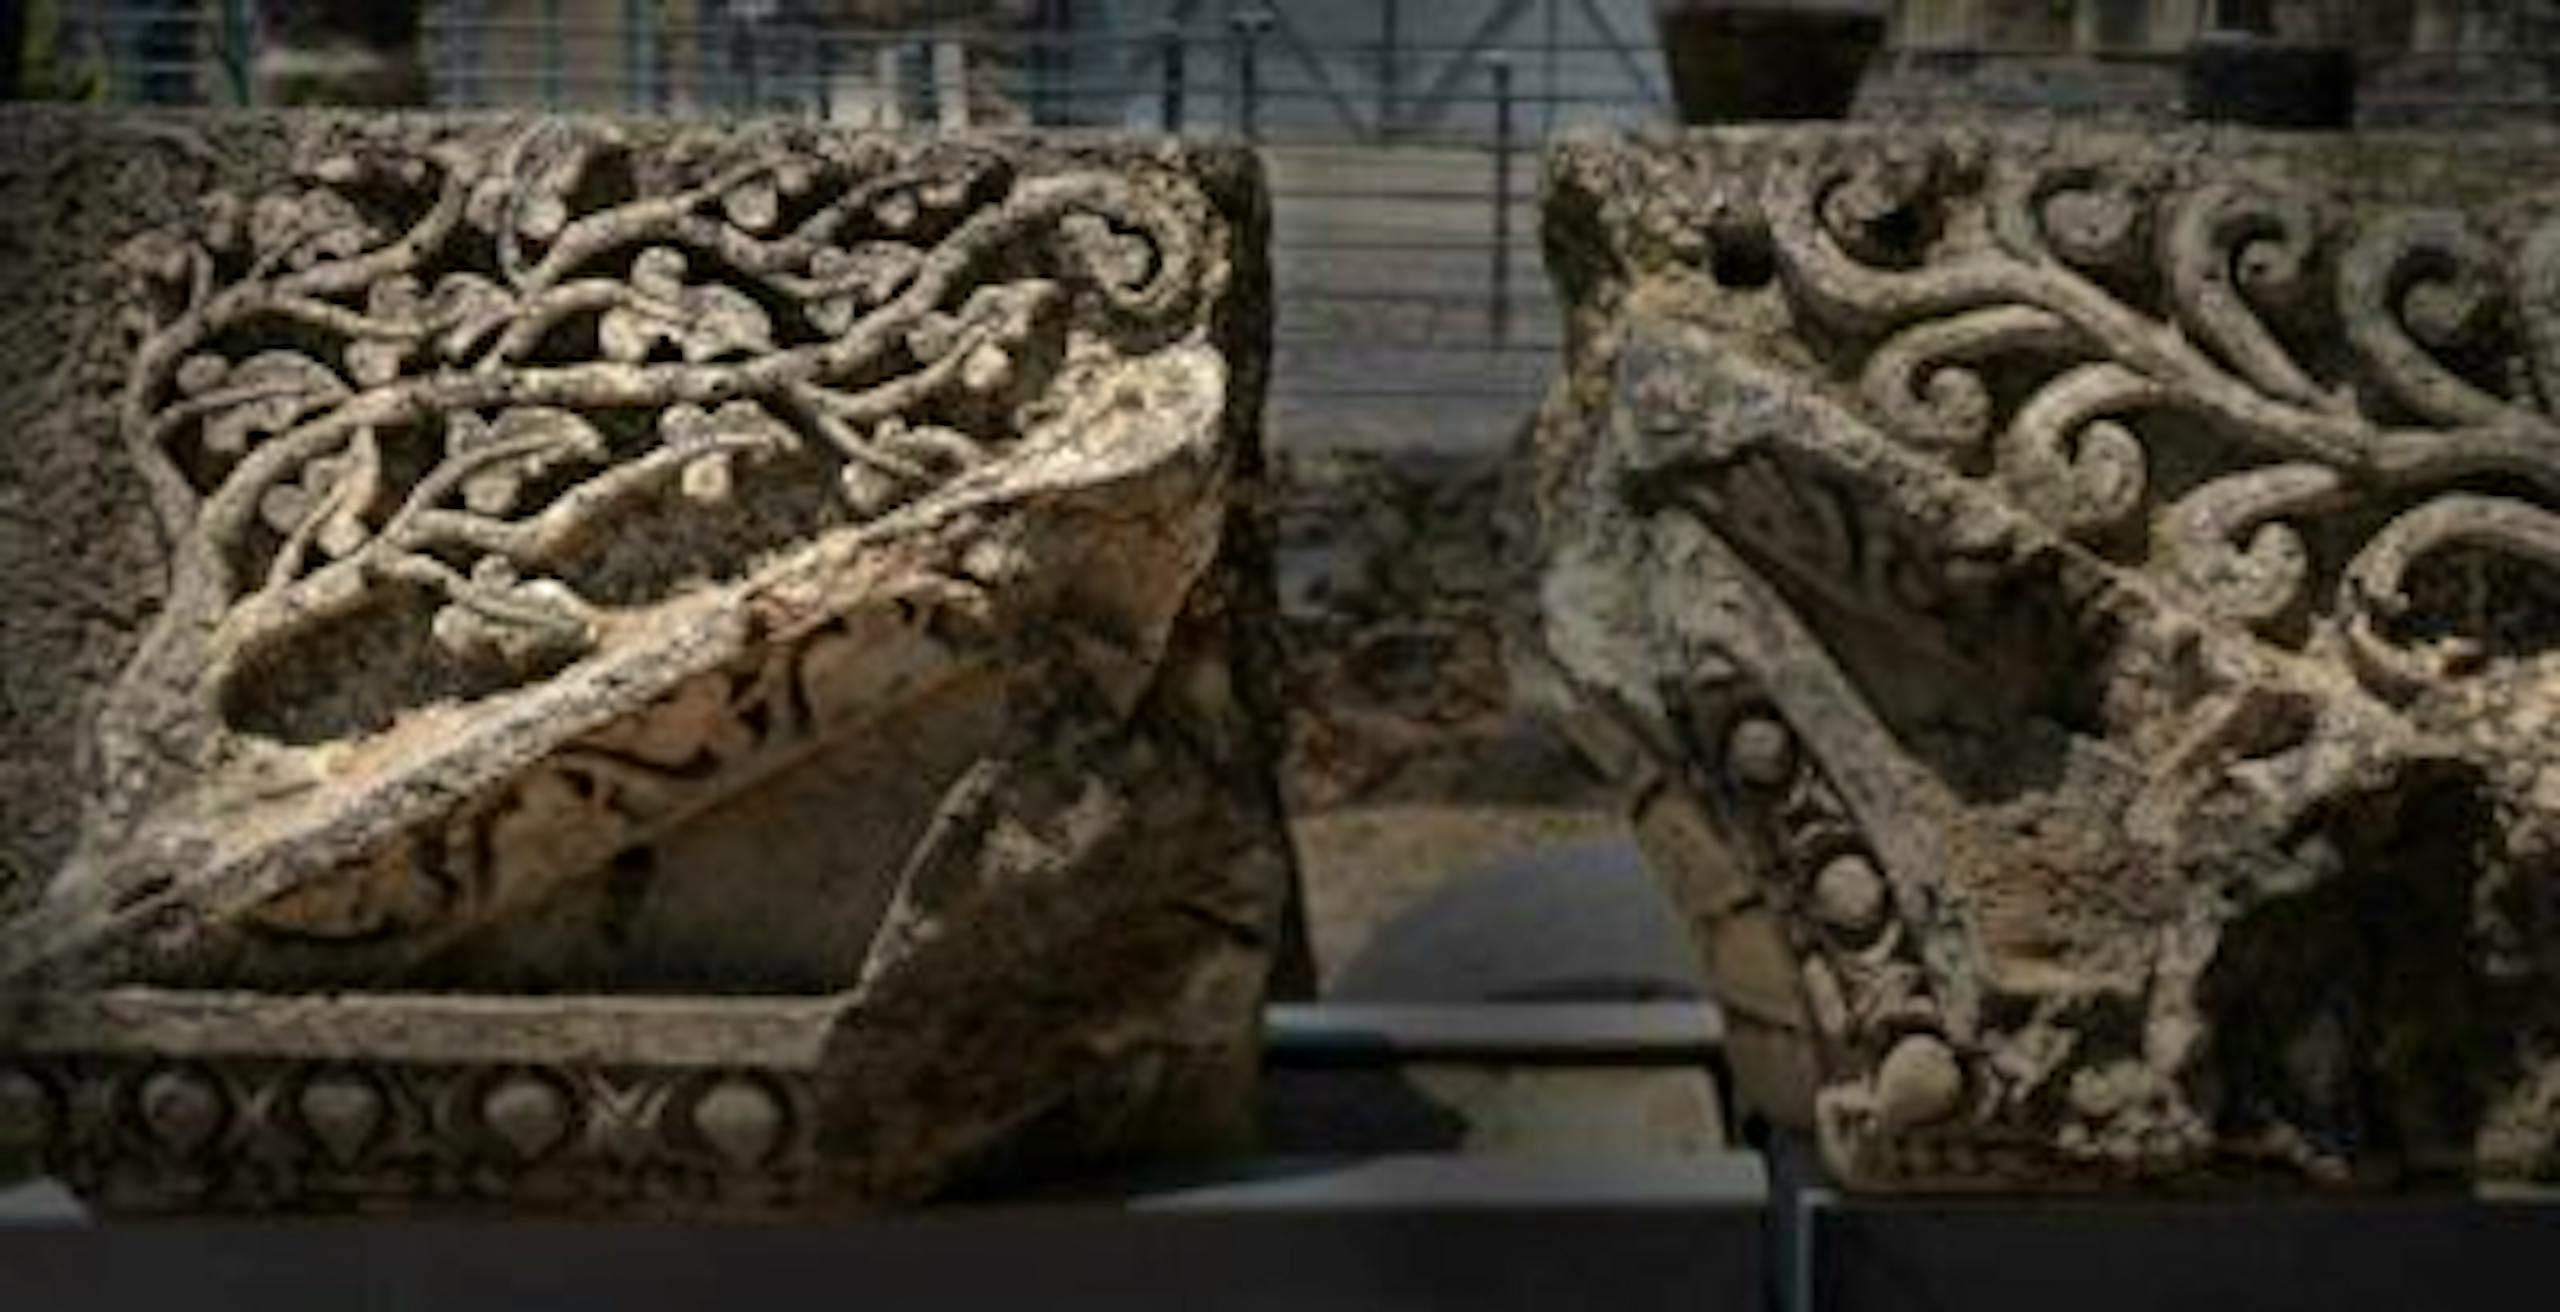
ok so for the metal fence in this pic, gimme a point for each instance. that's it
(1399, 136)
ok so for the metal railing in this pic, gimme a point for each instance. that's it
(1409, 309)
(1408, 305)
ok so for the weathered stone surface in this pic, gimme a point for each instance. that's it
(2079, 616)
(606, 664)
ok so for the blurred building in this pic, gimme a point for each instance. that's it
(1368, 70)
(2420, 61)
(1405, 69)
(866, 62)
(1312, 67)
(2093, 26)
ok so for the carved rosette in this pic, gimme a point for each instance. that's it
(2082, 618)
(418, 1104)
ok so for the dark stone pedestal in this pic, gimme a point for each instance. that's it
(2271, 84)
(1744, 60)
(1376, 1235)
(2101, 1255)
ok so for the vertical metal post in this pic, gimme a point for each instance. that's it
(1390, 66)
(1250, 24)
(435, 51)
(13, 46)
(452, 78)
(474, 55)
(239, 49)
(927, 102)
(1054, 62)
(1548, 83)
(551, 54)
(1171, 111)
(822, 105)
(635, 56)
(1499, 64)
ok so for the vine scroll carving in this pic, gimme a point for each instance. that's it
(608, 561)
(2082, 616)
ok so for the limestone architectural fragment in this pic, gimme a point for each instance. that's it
(2078, 616)
(603, 664)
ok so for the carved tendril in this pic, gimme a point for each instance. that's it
(2227, 247)
(2415, 282)
(270, 471)
(2421, 298)
(1920, 379)
(2374, 592)
(2067, 456)
(2226, 544)
(2231, 244)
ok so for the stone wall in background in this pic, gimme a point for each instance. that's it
(573, 664)
(2078, 620)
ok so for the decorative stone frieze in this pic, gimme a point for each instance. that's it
(247, 1102)
(2079, 617)
(542, 569)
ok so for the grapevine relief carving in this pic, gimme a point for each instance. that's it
(2152, 553)
(457, 410)
(669, 634)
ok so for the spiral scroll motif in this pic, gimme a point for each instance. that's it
(2045, 625)
(2314, 359)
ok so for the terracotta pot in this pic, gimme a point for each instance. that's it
(1744, 60)
(2263, 82)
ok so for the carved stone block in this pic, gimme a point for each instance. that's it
(557, 662)
(2079, 616)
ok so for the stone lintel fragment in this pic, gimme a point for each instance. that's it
(2078, 616)
(626, 665)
